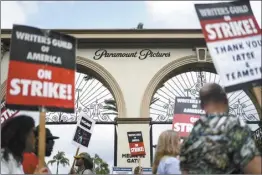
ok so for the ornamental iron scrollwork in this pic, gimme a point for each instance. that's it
(92, 99)
(188, 85)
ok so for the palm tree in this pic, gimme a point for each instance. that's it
(110, 105)
(59, 158)
(140, 26)
(100, 166)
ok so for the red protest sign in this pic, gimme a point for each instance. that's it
(136, 143)
(187, 112)
(6, 113)
(41, 70)
(184, 123)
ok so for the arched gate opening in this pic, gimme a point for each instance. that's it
(186, 81)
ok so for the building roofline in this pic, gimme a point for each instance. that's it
(114, 31)
(129, 38)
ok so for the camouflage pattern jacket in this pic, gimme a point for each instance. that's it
(218, 144)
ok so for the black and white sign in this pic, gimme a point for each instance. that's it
(84, 129)
(258, 134)
(233, 38)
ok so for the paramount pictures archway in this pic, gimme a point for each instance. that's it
(152, 99)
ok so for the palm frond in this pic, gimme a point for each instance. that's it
(64, 161)
(110, 108)
(110, 102)
(51, 162)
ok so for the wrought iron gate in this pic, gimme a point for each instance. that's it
(92, 98)
(188, 84)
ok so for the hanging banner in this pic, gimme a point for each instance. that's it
(121, 170)
(187, 112)
(233, 37)
(84, 129)
(136, 144)
(41, 70)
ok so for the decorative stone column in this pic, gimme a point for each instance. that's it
(122, 151)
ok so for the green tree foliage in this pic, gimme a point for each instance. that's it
(59, 159)
(100, 166)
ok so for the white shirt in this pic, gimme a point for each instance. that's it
(10, 167)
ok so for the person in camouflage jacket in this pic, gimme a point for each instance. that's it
(219, 143)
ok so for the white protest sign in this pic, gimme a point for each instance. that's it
(84, 129)
(233, 38)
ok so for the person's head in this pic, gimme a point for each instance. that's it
(50, 141)
(17, 136)
(213, 99)
(138, 170)
(84, 159)
(168, 145)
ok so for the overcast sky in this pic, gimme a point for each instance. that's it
(105, 14)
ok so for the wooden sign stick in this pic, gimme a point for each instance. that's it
(42, 138)
(257, 92)
(139, 164)
(77, 151)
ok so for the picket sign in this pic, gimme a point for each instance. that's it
(47, 80)
(186, 112)
(84, 130)
(233, 38)
(136, 145)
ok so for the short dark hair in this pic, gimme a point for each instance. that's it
(212, 92)
(14, 133)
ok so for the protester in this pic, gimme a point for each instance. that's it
(166, 153)
(219, 143)
(84, 163)
(30, 161)
(17, 137)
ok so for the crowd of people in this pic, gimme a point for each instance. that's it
(218, 144)
(19, 149)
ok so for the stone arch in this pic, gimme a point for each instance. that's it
(85, 65)
(175, 67)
